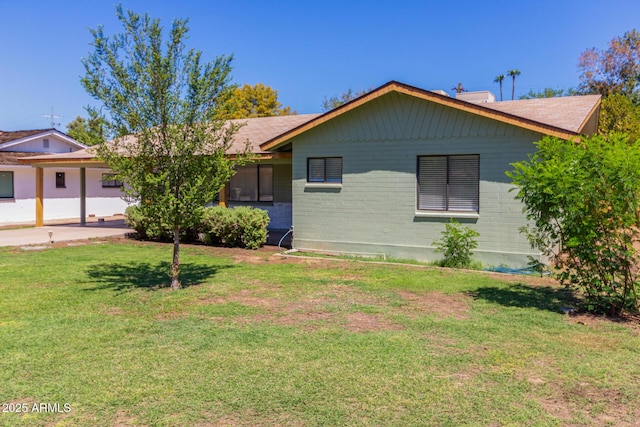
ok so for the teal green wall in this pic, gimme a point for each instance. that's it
(375, 209)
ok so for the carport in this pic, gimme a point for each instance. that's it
(80, 159)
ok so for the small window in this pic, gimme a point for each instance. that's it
(6, 185)
(45, 143)
(252, 183)
(449, 183)
(109, 181)
(60, 180)
(324, 169)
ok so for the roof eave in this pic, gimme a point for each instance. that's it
(62, 162)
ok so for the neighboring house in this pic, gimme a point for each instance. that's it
(383, 173)
(61, 191)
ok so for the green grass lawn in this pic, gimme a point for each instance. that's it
(255, 339)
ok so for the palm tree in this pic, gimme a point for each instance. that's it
(513, 74)
(499, 79)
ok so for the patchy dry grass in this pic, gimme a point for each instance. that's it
(256, 339)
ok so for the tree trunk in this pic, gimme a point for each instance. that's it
(175, 266)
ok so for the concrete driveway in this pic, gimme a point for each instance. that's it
(61, 233)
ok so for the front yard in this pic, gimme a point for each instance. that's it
(88, 338)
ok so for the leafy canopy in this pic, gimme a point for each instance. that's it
(619, 114)
(89, 132)
(548, 92)
(338, 100)
(612, 70)
(583, 200)
(256, 101)
(166, 112)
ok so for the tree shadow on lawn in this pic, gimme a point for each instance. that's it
(150, 276)
(557, 300)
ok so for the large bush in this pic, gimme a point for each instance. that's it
(241, 226)
(584, 202)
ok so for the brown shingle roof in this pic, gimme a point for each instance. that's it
(8, 136)
(261, 129)
(11, 157)
(256, 129)
(563, 112)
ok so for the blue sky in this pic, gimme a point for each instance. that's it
(309, 50)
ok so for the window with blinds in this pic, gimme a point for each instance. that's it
(324, 169)
(252, 183)
(449, 183)
(6, 185)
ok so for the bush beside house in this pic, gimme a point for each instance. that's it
(244, 227)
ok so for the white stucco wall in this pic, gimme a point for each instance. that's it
(59, 203)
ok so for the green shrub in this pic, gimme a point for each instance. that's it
(144, 227)
(241, 226)
(456, 245)
(583, 201)
(149, 229)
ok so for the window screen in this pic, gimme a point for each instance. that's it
(252, 183)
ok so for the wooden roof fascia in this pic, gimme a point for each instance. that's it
(447, 101)
(267, 156)
(274, 142)
(58, 162)
(92, 162)
(595, 108)
(488, 112)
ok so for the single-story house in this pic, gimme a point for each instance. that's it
(59, 193)
(383, 173)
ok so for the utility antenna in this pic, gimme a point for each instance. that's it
(459, 88)
(52, 117)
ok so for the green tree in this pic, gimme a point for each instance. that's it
(499, 79)
(166, 112)
(89, 132)
(584, 202)
(343, 98)
(547, 92)
(613, 70)
(619, 114)
(513, 74)
(256, 101)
